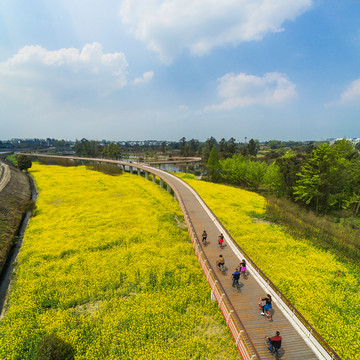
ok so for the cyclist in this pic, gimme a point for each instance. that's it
(267, 305)
(220, 262)
(275, 342)
(204, 236)
(242, 267)
(236, 277)
(221, 240)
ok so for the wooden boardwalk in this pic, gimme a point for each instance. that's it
(243, 301)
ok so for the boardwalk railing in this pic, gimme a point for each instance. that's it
(237, 329)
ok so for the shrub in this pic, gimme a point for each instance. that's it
(29, 205)
(52, 347)
(57, 161)
(23, 162)
(106, 168)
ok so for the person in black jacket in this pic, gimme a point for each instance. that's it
(204, 236)
(267, 305)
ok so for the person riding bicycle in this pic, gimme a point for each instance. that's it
(204, 236)
(242, 267)
(275, 342)
(221, 239)
(236, 277)
(267, 305)
(220, 262)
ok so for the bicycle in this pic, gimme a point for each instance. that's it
(204, 238)
(242, 269)
(221, 241)
(204, 241)
(244, 273)
(275, 350)
(260, 307)
(221, 267)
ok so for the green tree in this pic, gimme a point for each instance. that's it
(182, 146)
(113, 151)
(241, 171)
(163, 147)
(207, 147)
(231, 147)
(222, 148)
(243, 150)
(23, 162)
(274, 144)
(213, 165)
(289, 166)
(252, 147)
(316, 178)
(272, 179)
(86, 148)
(192, 147)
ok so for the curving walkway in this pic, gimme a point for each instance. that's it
(4, 175)
(244, 301)
(239, 308)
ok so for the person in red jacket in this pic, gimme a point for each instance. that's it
(275, 342)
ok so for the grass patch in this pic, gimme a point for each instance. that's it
(338, 238)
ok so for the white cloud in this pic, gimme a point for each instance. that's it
(351, 94)
(64, 75)
(91, 60)
(246, 90)
(168, 27)
(146, 77)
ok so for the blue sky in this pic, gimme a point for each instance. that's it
(164, 69)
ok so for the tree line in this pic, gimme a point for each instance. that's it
(324, 177)
(193, 147)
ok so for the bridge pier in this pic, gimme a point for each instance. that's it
(146, 175)
(153, 178)
(175, 197)
(139, 172)
(161, 183)
(168, 188)
(130, 169)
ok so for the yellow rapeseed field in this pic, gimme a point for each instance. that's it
(107, 265)
(307, 275)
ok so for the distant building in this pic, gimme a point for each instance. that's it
(354, 141)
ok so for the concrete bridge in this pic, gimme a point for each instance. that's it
(174, 160)
(247, 326)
